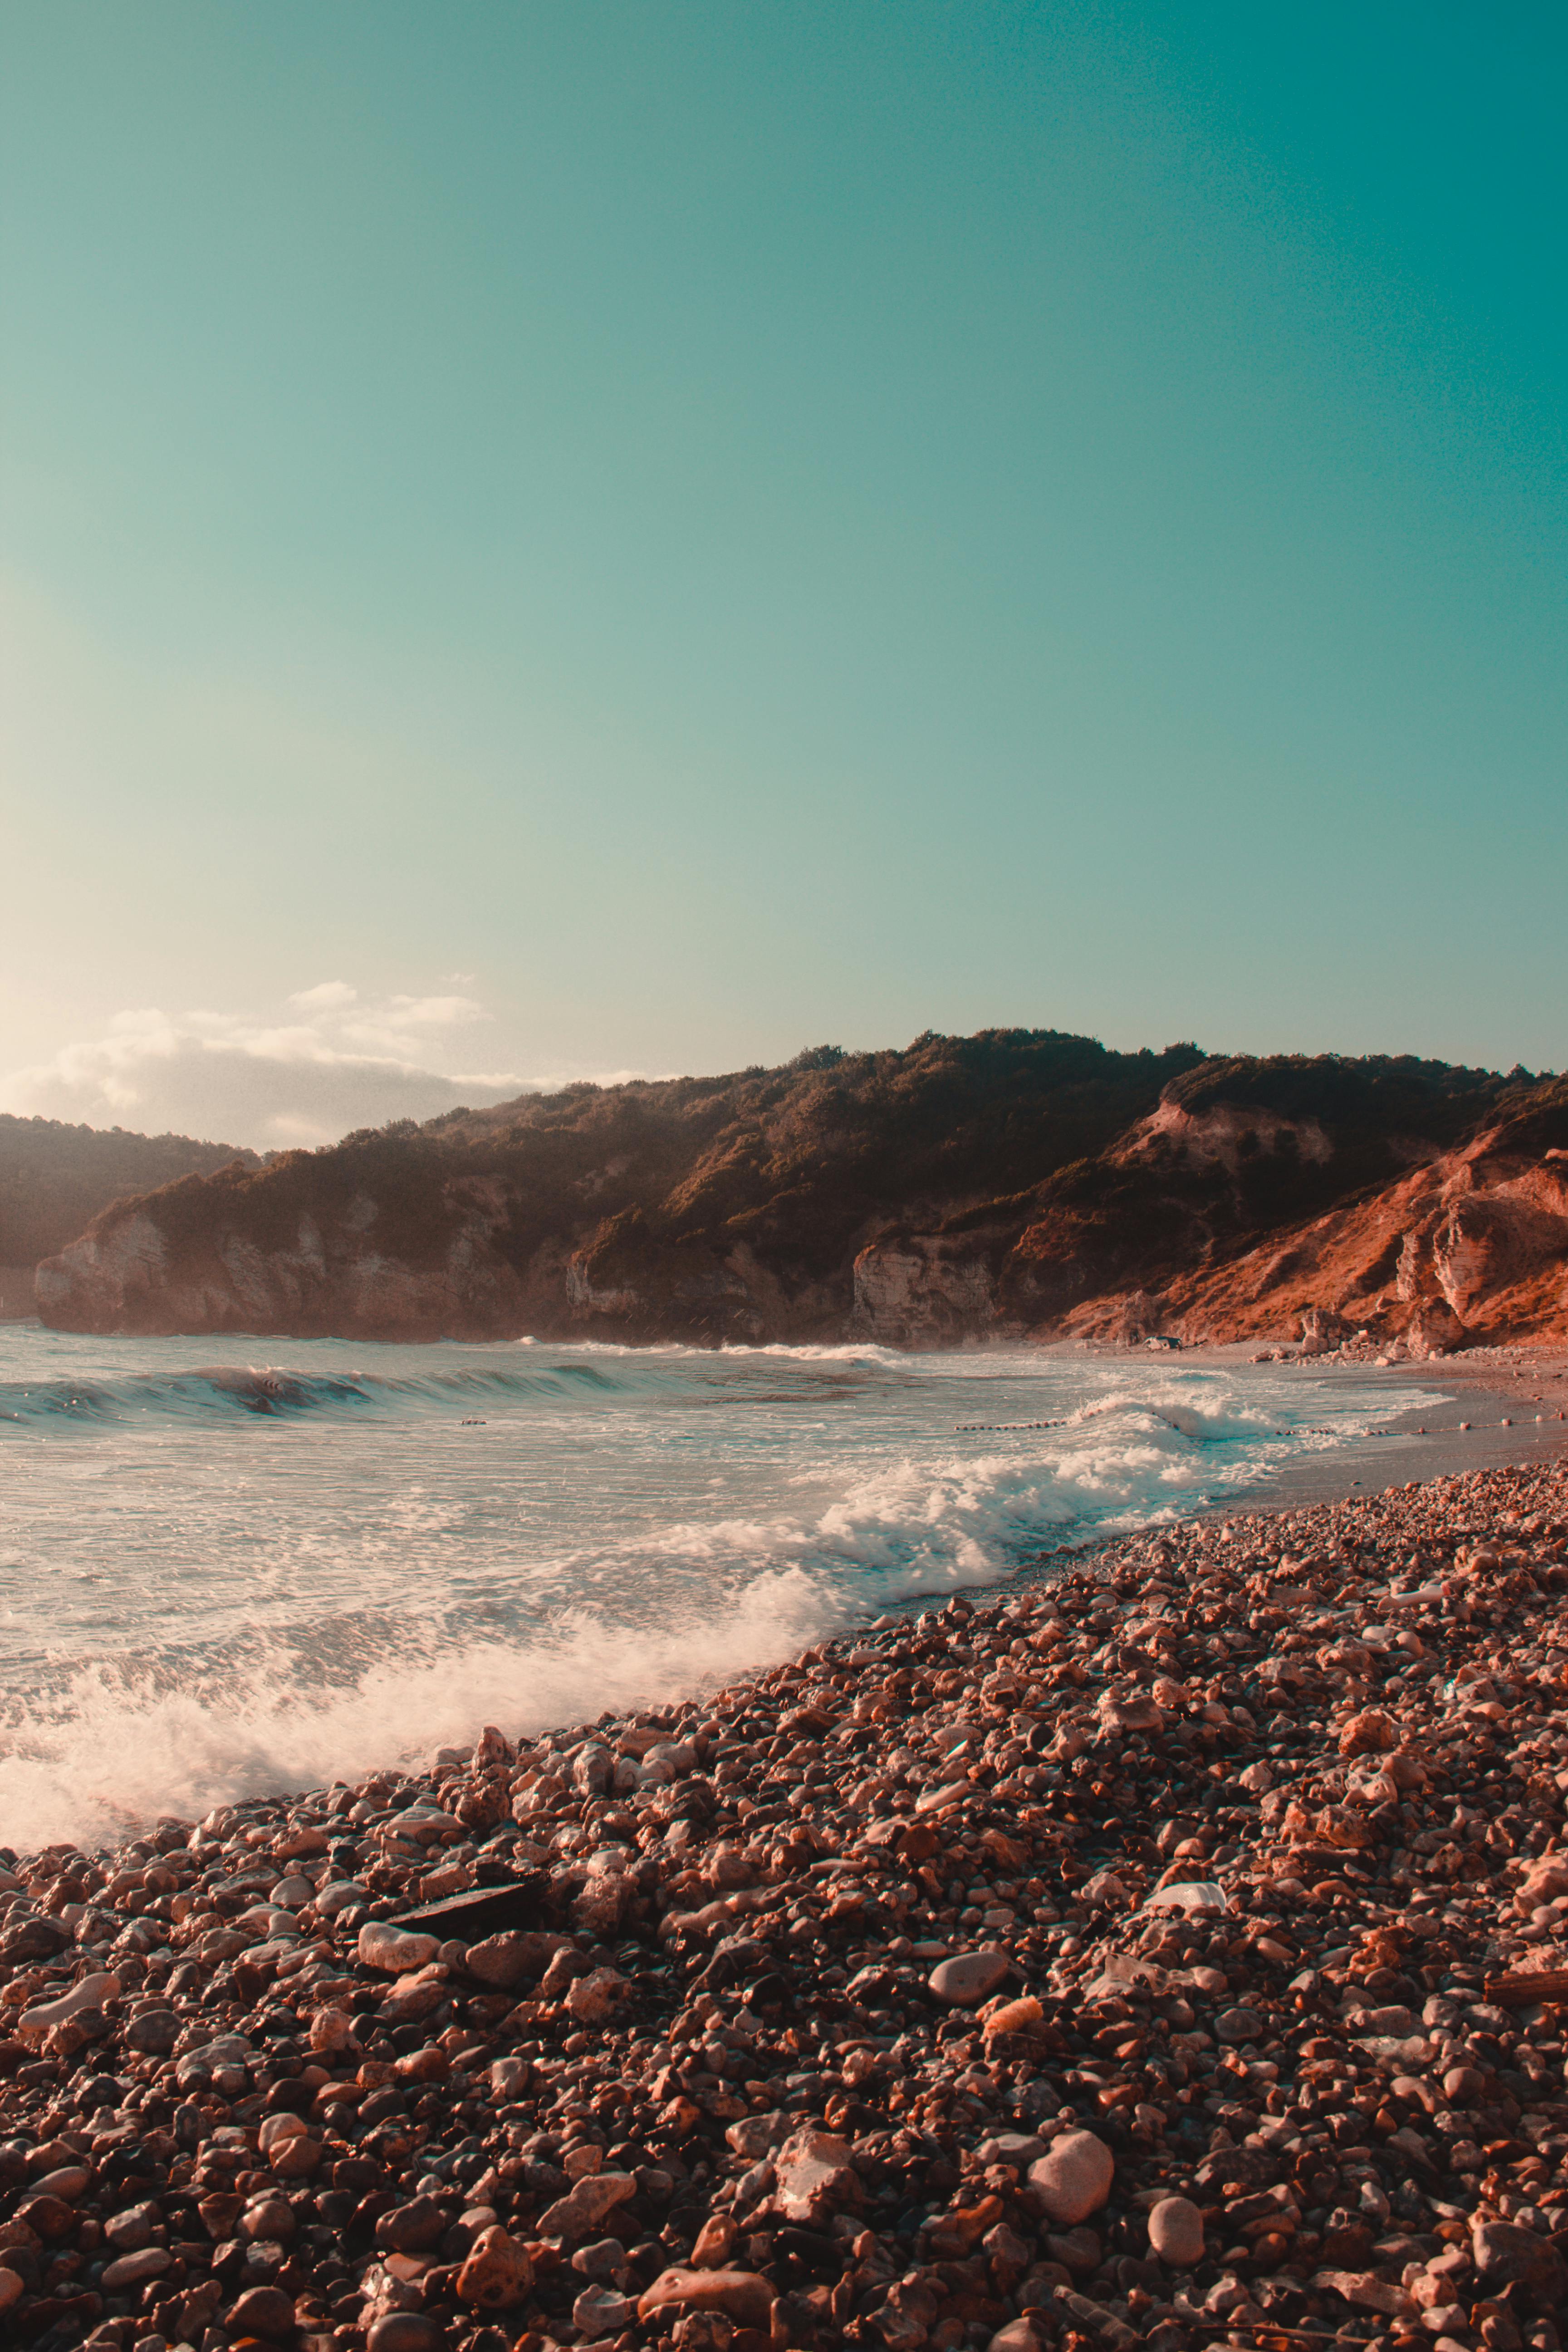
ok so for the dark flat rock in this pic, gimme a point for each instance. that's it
(481, 1911)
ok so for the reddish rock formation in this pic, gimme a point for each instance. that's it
(1017, 1184)
(1472, 1247)
(1261, 1198)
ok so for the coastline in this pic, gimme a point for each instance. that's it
(862, 2012)
(1509, 1407)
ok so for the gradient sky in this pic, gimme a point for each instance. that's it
(543, 539)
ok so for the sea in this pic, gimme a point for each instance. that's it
(295, 1561)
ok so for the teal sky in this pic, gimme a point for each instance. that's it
(586, 538)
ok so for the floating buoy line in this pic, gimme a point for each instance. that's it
(1004, 1428)
(991, 1427)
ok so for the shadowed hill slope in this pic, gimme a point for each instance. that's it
(55, 1178)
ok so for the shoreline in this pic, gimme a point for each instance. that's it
(848, 2005)
(1516, 1414)
(1465, 1432)
(132, 1746)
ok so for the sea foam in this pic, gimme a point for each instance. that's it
(225, 1581)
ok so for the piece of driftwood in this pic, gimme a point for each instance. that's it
(481, 1911)
(1518, 1991)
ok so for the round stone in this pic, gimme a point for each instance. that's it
(1018, 2336)
(270, 2218)
(263, 2311)
(1237, 2025)
(1176, 2232)
(394, 1949)
(744, 2296)
(1504, 2255)
(134, 2269)
(1073, 2178)
(403, 2331)
(968, 1978)
(603, 2310)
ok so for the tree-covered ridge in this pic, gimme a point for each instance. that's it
(54, 1178)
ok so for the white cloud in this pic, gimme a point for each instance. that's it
(345, 1061)
(436, 1012)
(406, 1025)
(327, 997)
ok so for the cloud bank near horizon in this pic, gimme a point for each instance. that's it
(338, 1059)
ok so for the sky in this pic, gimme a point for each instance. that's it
(541, 542)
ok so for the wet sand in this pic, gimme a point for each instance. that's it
(1501, 1408)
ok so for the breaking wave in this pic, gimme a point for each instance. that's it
(226, 1580)
(225, 1389)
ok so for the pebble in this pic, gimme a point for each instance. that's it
(589, 2204)
(134, 2269)
(968, 1978)
(1176, 2232)
(394, 1949)
(1236, 2010)
(403, 2331)
(742, 2295)
(816, 2175)
(134, 2226)
(603, 2310)
(1073, 2179)
(90, 1992)
(497, 2272)
(264, 2311)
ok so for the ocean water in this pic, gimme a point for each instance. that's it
(234, 1573)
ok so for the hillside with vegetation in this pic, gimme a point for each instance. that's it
(1016, 1184)
(54, 1178)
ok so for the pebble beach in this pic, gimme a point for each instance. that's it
(1168, 1948)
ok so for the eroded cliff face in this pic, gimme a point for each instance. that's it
(710, 1209)
(1018, 1185)
(925, 1290)
(1471, 1248)
(142, 1269)
(1161, 1235)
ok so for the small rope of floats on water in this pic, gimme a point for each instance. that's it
(1002, 1428)
(990, 1426)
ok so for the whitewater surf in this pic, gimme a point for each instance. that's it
(315, 1557)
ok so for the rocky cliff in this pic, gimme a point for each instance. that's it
(1014, 1185)
(1427, 1207)
(1468, 1248)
